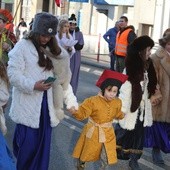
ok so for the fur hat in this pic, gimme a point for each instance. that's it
(142, 42)
(45, 24)
(5, 15)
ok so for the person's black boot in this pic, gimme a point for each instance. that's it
(80, 165)
(133, 164)
(157, 156)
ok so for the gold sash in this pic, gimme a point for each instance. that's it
(102, 137)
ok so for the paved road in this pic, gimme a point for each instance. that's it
(65, 135)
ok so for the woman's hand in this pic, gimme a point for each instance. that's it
(41, 86)
(156, 98)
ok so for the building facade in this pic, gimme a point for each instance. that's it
(95, 17)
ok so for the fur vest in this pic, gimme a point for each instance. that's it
(144, 108)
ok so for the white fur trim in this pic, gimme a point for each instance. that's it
(129, 121)
(69, 98)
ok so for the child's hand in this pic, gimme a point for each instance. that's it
(72, 110)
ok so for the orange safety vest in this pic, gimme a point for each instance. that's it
(122, 43)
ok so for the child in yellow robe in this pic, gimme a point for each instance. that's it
(97, 140)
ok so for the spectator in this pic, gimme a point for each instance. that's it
(75, 60)
(22, 23)
(22, 28)
(124, 37)
(110, 38)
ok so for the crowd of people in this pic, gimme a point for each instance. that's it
(135, 91)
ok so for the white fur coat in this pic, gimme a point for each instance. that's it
(24, 72)
(130, 118)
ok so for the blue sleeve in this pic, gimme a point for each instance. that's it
(106, 35)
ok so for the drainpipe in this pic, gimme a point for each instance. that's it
(90, 23)
(162, 20)
(21, 9)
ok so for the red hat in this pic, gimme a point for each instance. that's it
(5, 15)
(109, 74)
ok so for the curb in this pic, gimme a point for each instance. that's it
(94, 63)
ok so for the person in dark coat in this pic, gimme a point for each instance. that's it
(110, 38)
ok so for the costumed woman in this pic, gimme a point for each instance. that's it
(137, 96)
(75, 60)
(158, 135)
(63, 36)
(32, 107)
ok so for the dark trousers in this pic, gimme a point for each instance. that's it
(112, 62)
(112, 59)
(120, 63)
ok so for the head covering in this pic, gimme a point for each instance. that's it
(164, 40)
(142, 43)
(45, 24)
(5, 15)
(167, 31)
(72, 19)
(111, 76)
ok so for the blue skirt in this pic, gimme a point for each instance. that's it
(158, 135)
(6, 160)
(31, 146)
